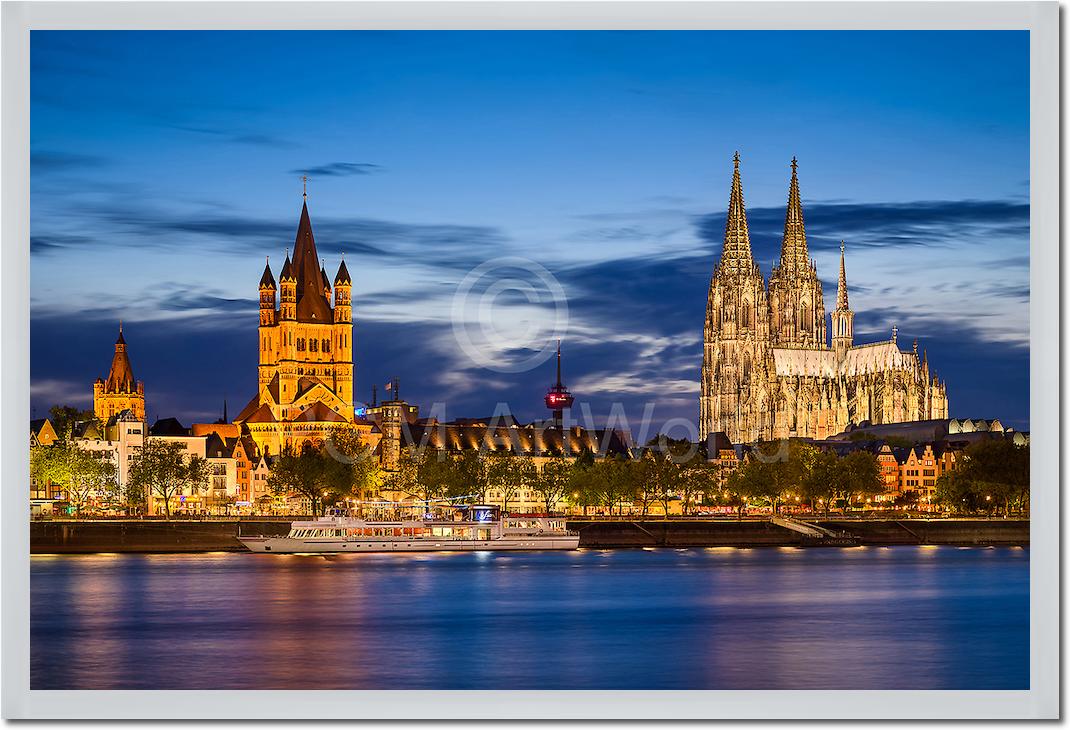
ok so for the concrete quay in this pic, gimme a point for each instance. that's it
(182, 536)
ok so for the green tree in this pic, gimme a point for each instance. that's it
(435, 474)
(402, 482)
(642, 483)
(993, 473)
(361, 475)
(699, 479)
(820, 480)
(552, 481)
(64, 418)
(510, 473)
(469, 480)
(163, 469)
(609, 482)
(583, 487)
(859, 477)
(83, 474)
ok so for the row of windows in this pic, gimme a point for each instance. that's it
(313, 345)
(303, 345)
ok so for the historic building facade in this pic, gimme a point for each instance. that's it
(769, 370)
(120, 392)
(305, 372)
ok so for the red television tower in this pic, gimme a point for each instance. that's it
(557, 397)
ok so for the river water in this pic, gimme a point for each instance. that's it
(720, 618)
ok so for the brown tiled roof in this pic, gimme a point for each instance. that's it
(261, 415)
(218, 448)
(249, 409)
(168, 427)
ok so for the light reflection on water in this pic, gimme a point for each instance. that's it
(900, 617)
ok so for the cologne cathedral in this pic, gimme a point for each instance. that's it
(769, 370)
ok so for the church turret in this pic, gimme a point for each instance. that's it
(343, 286)
(842, 316)
(343, 332)
(267, 296)
(326, 281)
(288, 291)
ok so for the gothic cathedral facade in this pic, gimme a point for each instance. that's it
(305, 371)
(768, 368)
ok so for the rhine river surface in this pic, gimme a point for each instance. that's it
(721, 618)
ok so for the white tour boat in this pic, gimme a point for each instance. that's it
(481, 528)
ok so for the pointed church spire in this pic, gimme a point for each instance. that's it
(287, 269)
(267, 281)
(841, 290)
(736, 253)
(793, 253)
(342, 278)
(312, 281)
(121, 376)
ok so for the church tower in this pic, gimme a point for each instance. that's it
(305, 373)
(736, 358)
(842, 317)
(796, 301)
(343, 329)
(120, 391)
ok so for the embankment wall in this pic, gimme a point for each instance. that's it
(189, 536)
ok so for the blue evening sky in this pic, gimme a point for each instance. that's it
(166, 166)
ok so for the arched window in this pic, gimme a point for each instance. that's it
(744, 315)
(326, 346)
(313, 345)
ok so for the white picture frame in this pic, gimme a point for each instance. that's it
(1041, 19)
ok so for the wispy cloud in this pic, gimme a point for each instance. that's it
(122, 221)
(339, 169)
(46, 161)
(233, 136)
(923, 223)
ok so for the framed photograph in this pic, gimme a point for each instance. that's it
(557, 360)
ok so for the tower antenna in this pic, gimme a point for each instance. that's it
(304, 187)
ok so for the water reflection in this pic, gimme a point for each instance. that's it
(900, 617)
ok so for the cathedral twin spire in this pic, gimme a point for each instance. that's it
(736, 255)
(797, 312)
(793, 253)
(736, 252)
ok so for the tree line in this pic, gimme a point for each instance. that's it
(991, 476)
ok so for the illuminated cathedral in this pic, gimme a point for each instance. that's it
(769, 370)
(305, 371)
